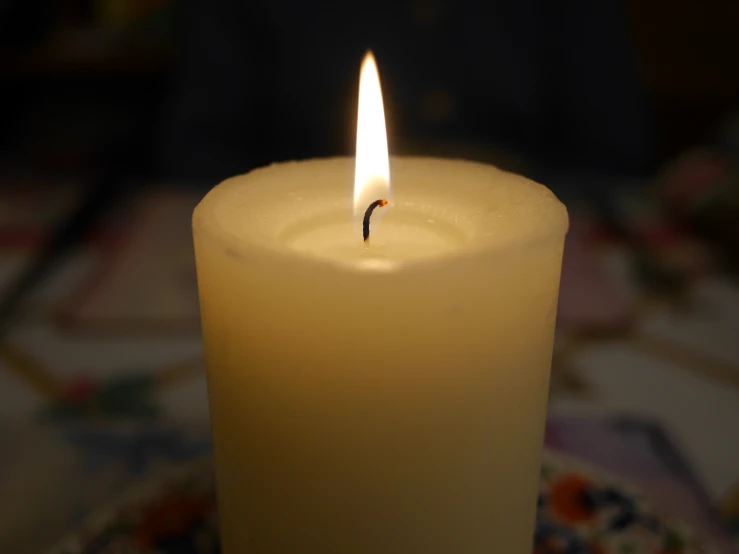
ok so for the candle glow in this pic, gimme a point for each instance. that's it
(322, 449)
(372, 169)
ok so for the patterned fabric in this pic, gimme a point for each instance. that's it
(580, 511)
(103, 385)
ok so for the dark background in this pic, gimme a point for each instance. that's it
(618, 88)
(117, 115)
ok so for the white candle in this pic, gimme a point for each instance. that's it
(381, 397)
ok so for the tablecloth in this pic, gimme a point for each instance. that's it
(102, 379)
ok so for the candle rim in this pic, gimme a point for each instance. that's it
(245, 245)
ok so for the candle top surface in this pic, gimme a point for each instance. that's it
(439, 209)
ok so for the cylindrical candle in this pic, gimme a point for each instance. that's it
(386, 397)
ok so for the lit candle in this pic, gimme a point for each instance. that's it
(381, 396)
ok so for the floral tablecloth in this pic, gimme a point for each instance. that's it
(579, 509)
(102, 384)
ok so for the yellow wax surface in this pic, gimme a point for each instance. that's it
(385, 397)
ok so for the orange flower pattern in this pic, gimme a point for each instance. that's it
(579, 512)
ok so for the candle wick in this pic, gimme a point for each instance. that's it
(368, 214)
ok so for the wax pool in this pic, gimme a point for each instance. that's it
(385, 397)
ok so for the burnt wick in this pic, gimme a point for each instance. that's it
(368, 214)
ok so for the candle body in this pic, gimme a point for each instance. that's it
(383, 399)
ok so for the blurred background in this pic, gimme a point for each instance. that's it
(117, 116)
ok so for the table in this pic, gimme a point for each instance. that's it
(103, 386)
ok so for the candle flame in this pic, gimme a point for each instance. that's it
(372, 171)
